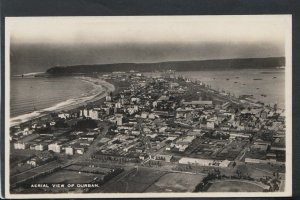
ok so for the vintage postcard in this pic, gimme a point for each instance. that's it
(148, 106)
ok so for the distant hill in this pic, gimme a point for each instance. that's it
(226, 64)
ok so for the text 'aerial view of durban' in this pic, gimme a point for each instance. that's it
(167, 105)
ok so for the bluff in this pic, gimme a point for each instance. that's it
(225, 64)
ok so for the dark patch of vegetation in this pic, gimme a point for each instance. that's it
(85, 124)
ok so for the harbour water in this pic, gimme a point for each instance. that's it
(266, 85)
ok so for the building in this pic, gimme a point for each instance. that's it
(135, 100)
(32, 162)
(135, 133)
(26, 131)
(90, 113)
(64, 115)
(69, 150)
(118, 105)
(173, 85)
(79, 150)
(234, 135)
(166, 158)
(197, 161)
(183, 143)
(119, 119)
(253, 160)
(204, 162)
(94, 114)
(212, 122)
(143, 156)
(144, 115)
(108, 98)
(183, 113)
(54, 147)
(89, 137)
(151, 116)
(20, 145)
(40, 147)
(154, 104)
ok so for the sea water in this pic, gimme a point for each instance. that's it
(32, 94)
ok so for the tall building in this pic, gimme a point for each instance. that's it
(119, 119)
(108, 98)
(90, 113)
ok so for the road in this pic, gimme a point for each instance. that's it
(92, 148)
(242, 153)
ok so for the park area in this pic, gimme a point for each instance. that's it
(135, 181)
(234, 186)
(176, 182)
(66, 176)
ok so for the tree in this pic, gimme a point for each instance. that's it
(60, 124)
(234, 164)
(86, 124)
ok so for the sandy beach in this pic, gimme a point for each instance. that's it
(100, 89)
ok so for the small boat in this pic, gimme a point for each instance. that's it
(274, 77)
(227, 79)
(244, 83)
(257, 88)
(263, 95)
(237, 77)
(257, 79)
(235, 82)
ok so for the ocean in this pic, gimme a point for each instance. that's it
(268, 88)
(34, 94)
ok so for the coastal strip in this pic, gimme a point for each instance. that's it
(100, 90)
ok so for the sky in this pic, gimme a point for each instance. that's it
(38, 43)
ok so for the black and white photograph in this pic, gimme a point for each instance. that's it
(148, 106)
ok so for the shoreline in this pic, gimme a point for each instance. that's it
(69, 104)
(74, 103)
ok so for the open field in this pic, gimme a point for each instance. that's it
(176, 182)
(66, 176)
(234, 186)
(136, 181)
